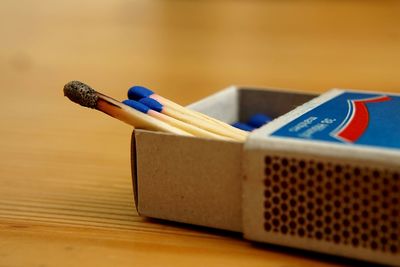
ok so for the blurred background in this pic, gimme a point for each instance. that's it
(57, 155)
(187, 49)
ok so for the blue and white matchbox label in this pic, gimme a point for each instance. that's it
(371, 119)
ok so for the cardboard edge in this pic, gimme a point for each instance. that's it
(361, 153)
(222, 105)
(134, 170)
(197, 105)
(278, 89)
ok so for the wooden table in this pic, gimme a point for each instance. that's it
(65, 187)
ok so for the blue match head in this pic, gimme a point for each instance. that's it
(243, 126)
(136, 105)
(152, 103)
(138, 92)
(258, 120)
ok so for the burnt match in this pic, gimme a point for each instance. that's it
(86, 96)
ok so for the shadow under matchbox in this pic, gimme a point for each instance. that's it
(324, 175)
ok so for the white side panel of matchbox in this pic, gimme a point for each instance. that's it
(189, 180)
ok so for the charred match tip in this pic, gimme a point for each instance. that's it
(81, 93)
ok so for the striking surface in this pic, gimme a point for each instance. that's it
(65, 187)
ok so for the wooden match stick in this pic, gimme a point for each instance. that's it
(188, 127)
(211, 124)
(184, 117)
(86, 96)
(199, 115)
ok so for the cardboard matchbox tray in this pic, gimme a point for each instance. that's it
(323, 176)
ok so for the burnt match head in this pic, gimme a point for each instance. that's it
(81, 93)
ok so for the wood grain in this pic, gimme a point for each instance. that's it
(65, 189)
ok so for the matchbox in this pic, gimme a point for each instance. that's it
(324, 175)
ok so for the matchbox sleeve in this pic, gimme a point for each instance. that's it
(325, 177)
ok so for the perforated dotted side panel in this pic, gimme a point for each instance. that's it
(341, 204)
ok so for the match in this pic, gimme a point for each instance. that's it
(174, 122)
(179, 112)
(199, 123)
(86, 96)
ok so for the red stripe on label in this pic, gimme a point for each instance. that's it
(357, 125)
(360, 119)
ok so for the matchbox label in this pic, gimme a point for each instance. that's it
(352, 118)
